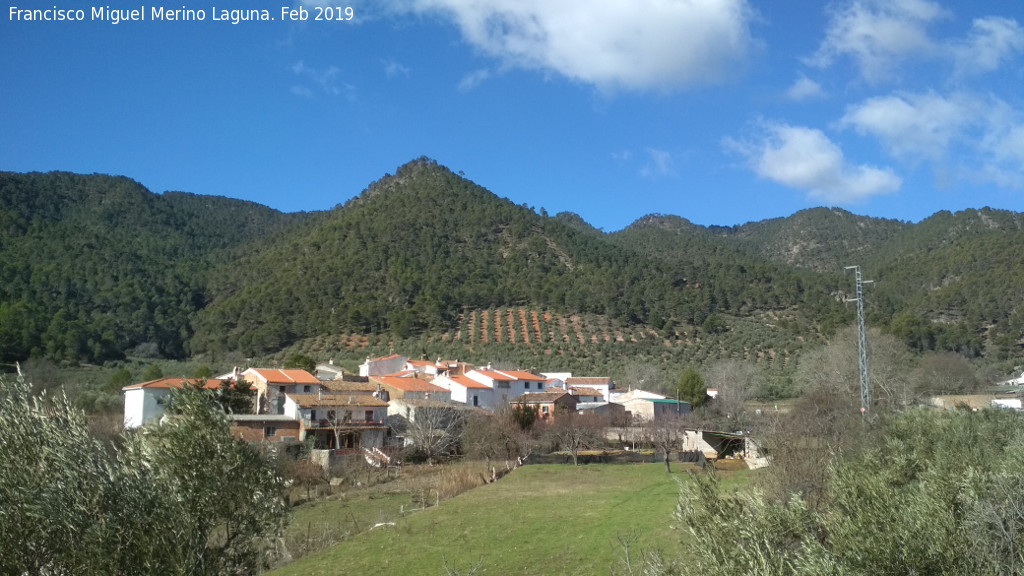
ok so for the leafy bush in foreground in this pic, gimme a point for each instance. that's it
(932, 493)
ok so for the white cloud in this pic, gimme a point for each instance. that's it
(474, 79)
(804, 88)
(394, 69)
(992, 42)
(914, 126)
(622, 156)
(805, 159)
(878, 34)
(325, 79)
(984, 134)
(658, 45)
(1002, 147)
(659, 163)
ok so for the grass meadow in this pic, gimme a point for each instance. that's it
(540, 519)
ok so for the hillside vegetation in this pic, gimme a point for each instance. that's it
(94, 268)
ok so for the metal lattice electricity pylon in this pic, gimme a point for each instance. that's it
(862, 342)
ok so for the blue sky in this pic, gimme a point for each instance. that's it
(719, 111)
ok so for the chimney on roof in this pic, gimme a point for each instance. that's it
(330, 361)
(488, 366)
(236, 374)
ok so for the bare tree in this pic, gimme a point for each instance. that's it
(645, 376)
(735, 381)
(435, 432)
(496, 436)
(573, 432)
(664, 435)
(943, 373)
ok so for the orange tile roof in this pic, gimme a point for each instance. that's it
(407, 384)
(495, 375)
(211, 383)
(389, 357)
(420, 363)
(291, 376)
(468, 382)
(521, 375)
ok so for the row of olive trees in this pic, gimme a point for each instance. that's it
(180, 497)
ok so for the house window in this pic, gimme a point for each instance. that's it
(501, 384)
(312, 414)
(476, 401)
(306, 389)
(269, 431)
(527, 385)
(331, 415)
(544, 409)
(369, 415)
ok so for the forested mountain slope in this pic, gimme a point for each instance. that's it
(92, 266)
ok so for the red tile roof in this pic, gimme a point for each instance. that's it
(390, 357)
(520, 375)
(292, 376)
(468, 382)
(495, 375)
(211, 383)
(581, 391)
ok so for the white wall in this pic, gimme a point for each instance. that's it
(142, 405)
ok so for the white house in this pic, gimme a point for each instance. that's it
(340, 421)
(508, 384)
(146, 401)
(656, 409)
(467, 391)
(623, 397)
(383, 365)
(602, 384)
(271, 385)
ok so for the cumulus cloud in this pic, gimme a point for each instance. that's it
(640, 45)
(806, 159)
(474, 79)
(326, 80)
(913, 126)
(991, 42)
(878, 34)
(659, 163)
(394, 69)
(804, 88)
(984, 134)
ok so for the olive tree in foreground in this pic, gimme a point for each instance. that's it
(182, 497)
(931, 493)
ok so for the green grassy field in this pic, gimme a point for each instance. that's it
(543, 519)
